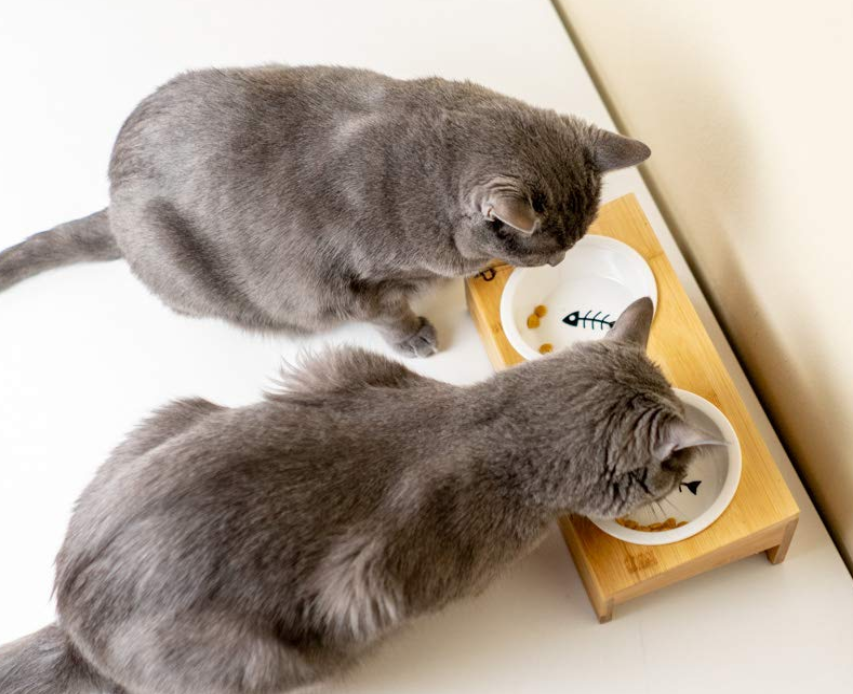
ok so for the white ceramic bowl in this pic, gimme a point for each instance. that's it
(584, 294)
(705, 493)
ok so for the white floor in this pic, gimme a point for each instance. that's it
(85, 352)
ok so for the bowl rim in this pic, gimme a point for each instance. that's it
(715, 510)
(508, 325)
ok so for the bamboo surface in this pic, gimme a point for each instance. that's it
(763, 514)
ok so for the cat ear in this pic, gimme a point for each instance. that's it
(635, 323)
(503, 200)
(678, 435)
(611, 151)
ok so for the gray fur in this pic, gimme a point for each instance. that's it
(295, 198)
(46, 662)
(78, 241)
(255, 549)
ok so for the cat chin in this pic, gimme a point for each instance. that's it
(522, 261)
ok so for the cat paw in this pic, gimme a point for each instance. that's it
(423, 343)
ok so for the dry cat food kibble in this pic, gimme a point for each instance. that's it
(533, 321)
(668, 524)
(533, 318)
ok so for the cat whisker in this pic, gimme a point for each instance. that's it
(674, 505)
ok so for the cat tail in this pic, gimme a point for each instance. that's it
(46, 662)
(81, 240)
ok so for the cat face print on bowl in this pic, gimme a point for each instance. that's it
(707, 489)
(583, 295)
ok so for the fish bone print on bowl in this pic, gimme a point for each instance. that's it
(579, 299)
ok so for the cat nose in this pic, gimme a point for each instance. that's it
(555, 260)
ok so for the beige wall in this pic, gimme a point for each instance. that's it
(748, 108)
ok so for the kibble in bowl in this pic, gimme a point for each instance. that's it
(669, 524)
(575, 301)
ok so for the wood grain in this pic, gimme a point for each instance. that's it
(762, 515)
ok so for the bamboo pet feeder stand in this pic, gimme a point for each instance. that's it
(762, 516)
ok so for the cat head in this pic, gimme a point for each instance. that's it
(613, 435)
(532, 183)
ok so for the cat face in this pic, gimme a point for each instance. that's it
(643, 458)
(543, 188)
(642, 445)
(619, 439)
(529, 223)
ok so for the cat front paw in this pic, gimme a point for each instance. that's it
(422, 343)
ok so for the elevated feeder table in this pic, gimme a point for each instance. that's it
(762, 516)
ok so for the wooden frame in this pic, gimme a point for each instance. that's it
(762, 516)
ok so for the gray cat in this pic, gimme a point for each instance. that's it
(257, 549)
(295, 198)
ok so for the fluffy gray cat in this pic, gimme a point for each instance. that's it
(295, 198)
(253, 550)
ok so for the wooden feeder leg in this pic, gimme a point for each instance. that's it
(777, 554)
(604, 611)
